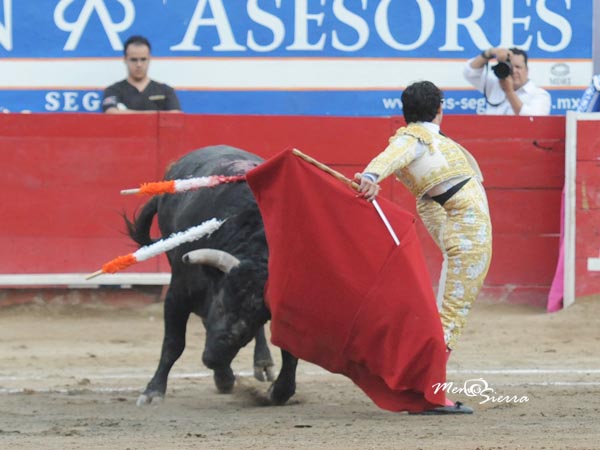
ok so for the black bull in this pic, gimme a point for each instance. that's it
(226, 288)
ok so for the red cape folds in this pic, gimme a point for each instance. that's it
(342, 295)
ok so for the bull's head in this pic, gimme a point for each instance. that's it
(237, 309)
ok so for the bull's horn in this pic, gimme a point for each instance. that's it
(217, 258)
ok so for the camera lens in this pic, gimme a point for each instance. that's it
(502, 70)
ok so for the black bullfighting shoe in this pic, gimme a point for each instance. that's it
(456, 408)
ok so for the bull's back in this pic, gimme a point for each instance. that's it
(179, 212)
(213, 160)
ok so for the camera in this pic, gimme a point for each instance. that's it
(503, 69)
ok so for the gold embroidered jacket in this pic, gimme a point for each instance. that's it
(443, 160)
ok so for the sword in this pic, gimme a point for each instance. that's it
(386, 222)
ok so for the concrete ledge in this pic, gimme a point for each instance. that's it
(522, 295)
(77, 280)
(110, 296)
(139, 294)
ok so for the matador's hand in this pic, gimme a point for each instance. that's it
(368, 189)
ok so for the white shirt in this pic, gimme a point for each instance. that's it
(536, 101)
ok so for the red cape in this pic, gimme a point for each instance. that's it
(342, 295)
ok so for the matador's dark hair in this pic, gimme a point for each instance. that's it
(420, 101)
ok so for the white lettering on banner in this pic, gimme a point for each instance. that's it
(383, 27)
(91, 101)
(355, 22)
(77, 27)
(273, 23)
(508, 20)
(69, 101)
(557, 21)
(507, 26)
(301, 27)
(219, 20)
(469, 22)
(311, 29)
(6, 27)
(323, 25)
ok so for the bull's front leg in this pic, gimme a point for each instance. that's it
(263, 363)
(285, 385)
(175, 324)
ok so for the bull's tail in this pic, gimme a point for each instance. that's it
(139, 229)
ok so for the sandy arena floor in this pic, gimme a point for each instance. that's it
(70, 376)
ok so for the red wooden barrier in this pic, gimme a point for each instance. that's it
(587, 206)
(60, 201)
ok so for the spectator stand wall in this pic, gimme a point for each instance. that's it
(60, 202)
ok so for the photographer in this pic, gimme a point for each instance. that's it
(506, 85)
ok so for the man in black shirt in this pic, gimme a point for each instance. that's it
(138, 93)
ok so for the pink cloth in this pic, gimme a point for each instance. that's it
(555, 296)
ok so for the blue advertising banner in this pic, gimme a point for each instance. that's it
(317, 57)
